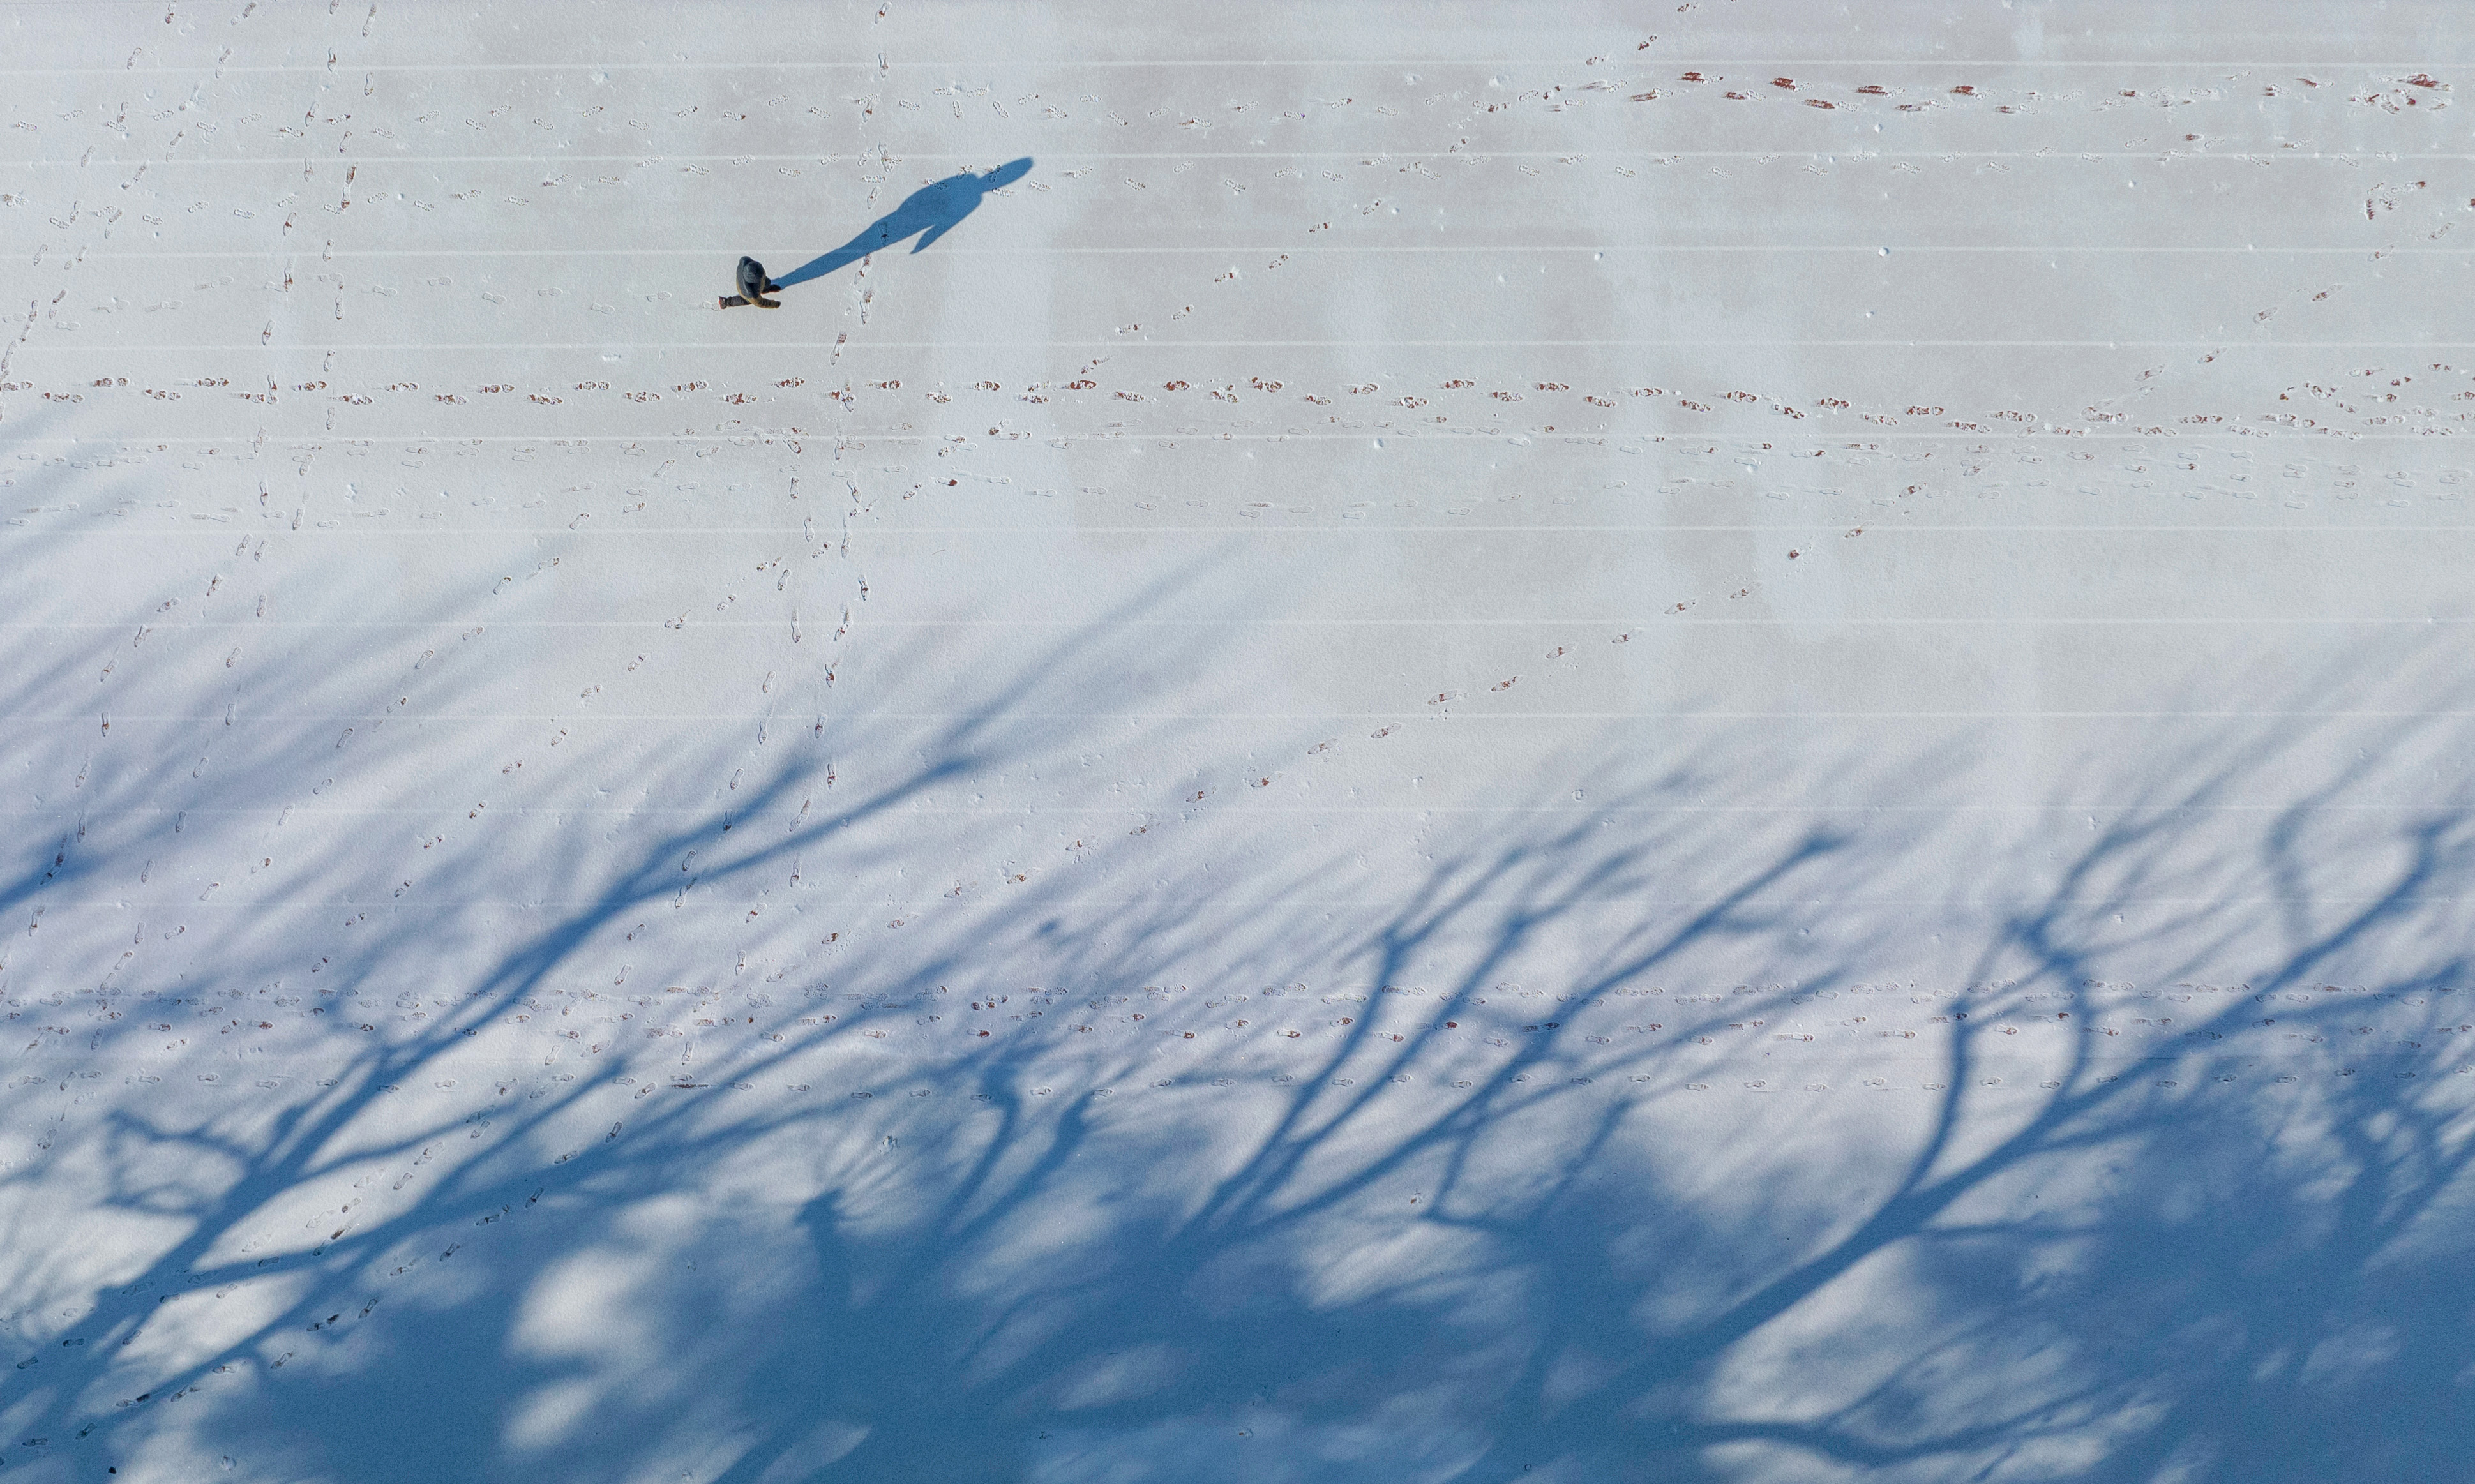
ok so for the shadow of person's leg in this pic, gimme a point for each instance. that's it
(850, 251)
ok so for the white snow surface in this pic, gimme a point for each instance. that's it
(1548, 741)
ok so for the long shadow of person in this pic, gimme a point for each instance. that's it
(931, 212)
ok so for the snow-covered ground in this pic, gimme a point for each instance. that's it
(1514, 742)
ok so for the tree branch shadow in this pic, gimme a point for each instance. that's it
(1467, 1184)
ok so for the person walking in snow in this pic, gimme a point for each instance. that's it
(754, 286)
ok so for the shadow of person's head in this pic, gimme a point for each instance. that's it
(1007, 174)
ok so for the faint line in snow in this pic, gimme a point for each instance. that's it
(1068, 64)
(1344, 248)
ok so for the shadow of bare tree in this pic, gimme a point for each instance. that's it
(1592, 1156)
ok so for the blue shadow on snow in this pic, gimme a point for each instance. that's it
(932, 211)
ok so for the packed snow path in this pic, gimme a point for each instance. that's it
(1545, 741)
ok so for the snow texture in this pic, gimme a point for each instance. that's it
(1548, 741)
